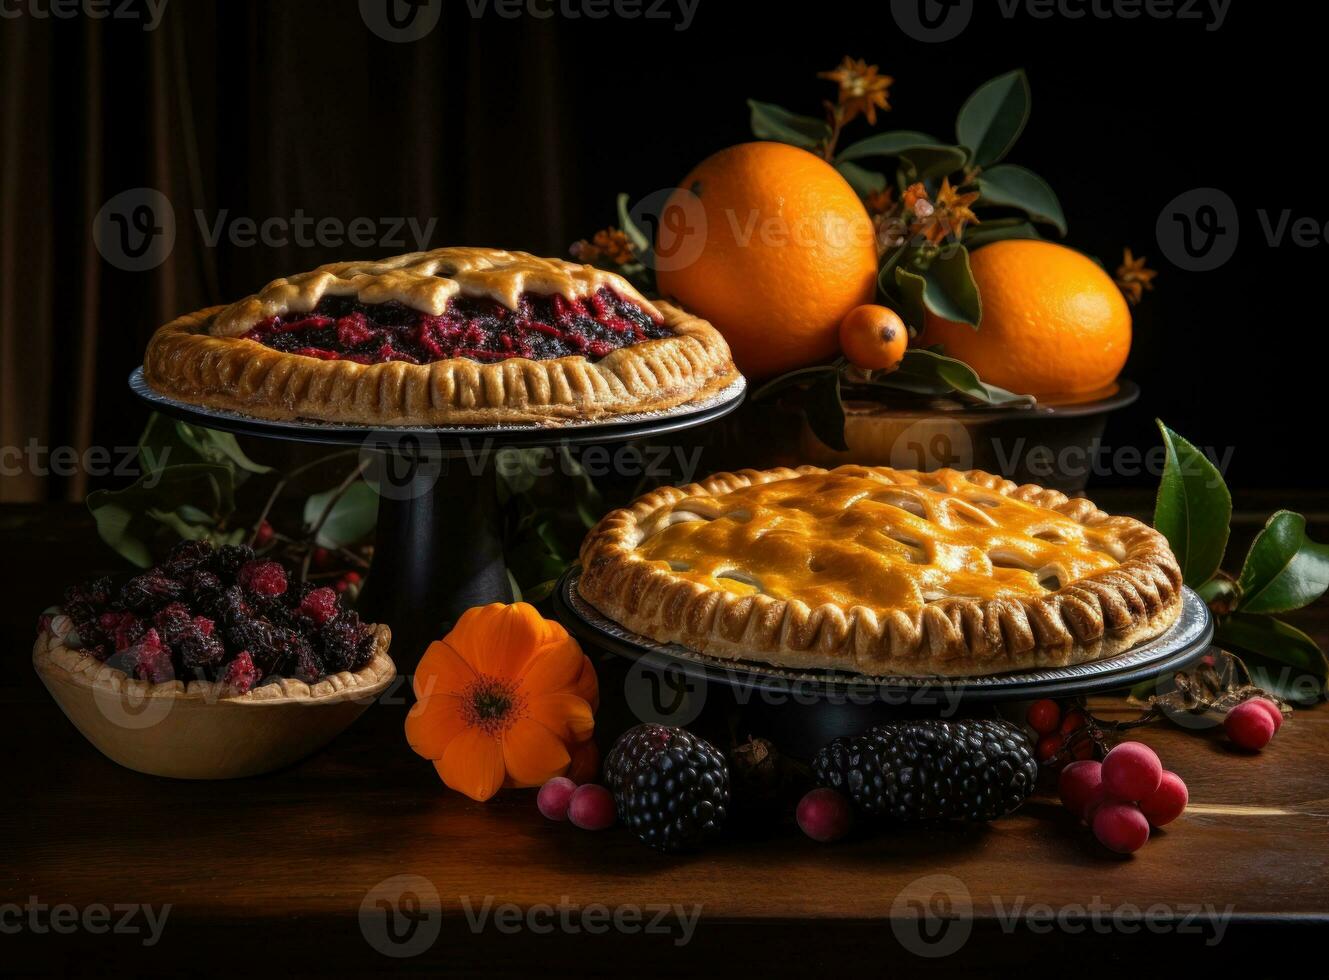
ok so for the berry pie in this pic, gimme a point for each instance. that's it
(882, 572)
(454, 336)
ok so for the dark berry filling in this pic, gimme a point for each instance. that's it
(482, 329)
(216, 615)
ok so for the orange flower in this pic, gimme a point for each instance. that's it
(610, 244)
(506, 699)
(1134, 277)
(862, 89)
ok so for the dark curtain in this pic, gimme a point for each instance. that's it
(236, 111)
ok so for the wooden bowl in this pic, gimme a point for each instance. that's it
(203, 730)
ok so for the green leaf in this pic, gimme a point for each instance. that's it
(182, 522)
(125, 518)
(908, 293)
(1284, 569)
(1193, 509)
(893, 144)
(950, 290)
(352, 517)
(926, 162)
(639, 239)
(991, 120)
(996, 230)
(1281, 657)
(773, 122)
(862, 180)
(1012, 186)
(825, 412)
(928, 372)
(793, 378)
(218, 447)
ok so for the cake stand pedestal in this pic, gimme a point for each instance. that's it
(438, 549)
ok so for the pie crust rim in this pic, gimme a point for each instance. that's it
(1090, 618)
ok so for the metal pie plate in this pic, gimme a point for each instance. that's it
(715, 405)
(1182, 643)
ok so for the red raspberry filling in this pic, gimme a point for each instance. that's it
(541, 328)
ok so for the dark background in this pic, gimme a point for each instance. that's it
(519, 132)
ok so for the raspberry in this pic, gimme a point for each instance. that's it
(824, 815)
(554, 797)
(1076, 782)
(1044, 716)
(241, 673)
(204, 625)
(1249, 726)
(1121, 827)
(123, 629)
(264, 578)
(1166, 803)
(151, 659)
(591, 807)
(1131, 771)
(320, 605)
(1271, 709)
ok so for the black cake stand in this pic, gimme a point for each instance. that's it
(438, 549)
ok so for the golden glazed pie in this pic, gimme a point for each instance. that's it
(881, 571)
(454, 336)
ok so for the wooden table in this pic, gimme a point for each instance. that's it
(273, 872)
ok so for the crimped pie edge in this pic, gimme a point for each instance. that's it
(1097, 616)
(184, 361)
(50, 655)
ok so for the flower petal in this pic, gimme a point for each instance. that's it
(555, 667)
(433, 723)
(473, 764)
(498, 639)
(533, 754)
(442, 670)
(566, 715)
(588, 685)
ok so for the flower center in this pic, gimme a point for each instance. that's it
(492, 705)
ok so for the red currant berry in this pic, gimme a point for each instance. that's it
(1073, 722)
(263, 534)
(824, 815)
(1044, 716)
(1166, 803)
(554, 797)
(1048, 746)
(1076, 782)
(591, 807)
(1131, 771)
(1249, 726)
(1121, 827)
(1271, 709)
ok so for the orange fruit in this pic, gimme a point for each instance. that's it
(1054, 324)
(873, 337)
(772, 246)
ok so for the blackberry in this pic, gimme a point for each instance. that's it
(932, 770)
(230, 558)
(347, 643)
(202, 586)
(174, 623)
(200, 652)
(670, 786)
(150, 591)
(186, 558)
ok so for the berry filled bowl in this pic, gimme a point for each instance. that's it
(212, 665)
